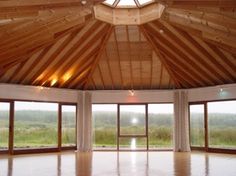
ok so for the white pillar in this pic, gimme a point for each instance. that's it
(84, 122)
(181, 122)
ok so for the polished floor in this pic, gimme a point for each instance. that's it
(119, 164)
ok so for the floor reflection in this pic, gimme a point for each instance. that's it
(118, 164)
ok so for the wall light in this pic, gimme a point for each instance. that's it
(131, 92)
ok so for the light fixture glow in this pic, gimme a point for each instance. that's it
(66, 76)
(83, 2)
(53, 82)
(131, 92)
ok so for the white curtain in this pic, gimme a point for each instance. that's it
(84, 122)
(181, 122)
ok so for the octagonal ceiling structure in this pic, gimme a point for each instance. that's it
(128, 12)
(64, 44)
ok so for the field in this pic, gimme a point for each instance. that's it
(34, 130)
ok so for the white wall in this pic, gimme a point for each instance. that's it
(212, 93)
(125, 96)
(10, 91)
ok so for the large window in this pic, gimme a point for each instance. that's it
(197, 130)
(4, 125)
(35, 125)
(132, 127)
(105, 126)
(222, 124)
(68, 125)
(160, 125)
(132, 120)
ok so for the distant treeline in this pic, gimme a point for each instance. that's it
(110, 118)
(36, 116)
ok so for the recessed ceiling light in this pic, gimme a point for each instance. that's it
(161, 31)
(83, 2)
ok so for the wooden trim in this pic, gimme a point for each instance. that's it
(32, 151)
(59, 123)
(148, 38)
(96, 60)
(11, 130)
(206, 126)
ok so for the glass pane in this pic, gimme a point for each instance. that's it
(109, 2)
(4, 125)
(126, 3)
(126, 143)
(68, 125)
(35, 125)
(197, 137)
(160, 125)
(132, 120)
(222, 124)
(104, 126)
(143, 2)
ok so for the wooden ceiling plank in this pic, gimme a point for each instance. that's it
(211, 3)
(75, 77)
(177, 83)
(183, 73)
(119, 58)
(160, 79)
(103, 45)
(45, 51)
(214, 58)
(101, 76)
(198, 33)
(130, 60)
(21, 65)
(214, 32)
(37, 40)
(181, 57)
(72, 54)
(85, 62)
(51, 58)
(187, 49)
(109, 68)
(181, 63)
(85, 50)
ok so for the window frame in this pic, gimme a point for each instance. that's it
(206, 148)
(59, 147)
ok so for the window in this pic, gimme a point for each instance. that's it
(197, 130)
(4, 125)
(35, 125)
(160, 125)
(104, 126)
(127, 3)
(132, 127)
(132, 120)
(222, 124)
(68, 125)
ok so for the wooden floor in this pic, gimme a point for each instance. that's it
(119, 164)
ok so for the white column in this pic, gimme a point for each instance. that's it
(181, 122)
(84, 122)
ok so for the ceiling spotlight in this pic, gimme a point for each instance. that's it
(161, 31)
(131, 92)
(83, 2)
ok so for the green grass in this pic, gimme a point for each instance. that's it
(43, 133)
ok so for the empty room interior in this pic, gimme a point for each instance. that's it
(117, 88)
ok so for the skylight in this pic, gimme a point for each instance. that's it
(127, 3)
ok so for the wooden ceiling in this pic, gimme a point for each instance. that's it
(59, 43)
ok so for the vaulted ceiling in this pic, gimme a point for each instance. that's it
(59, 43)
